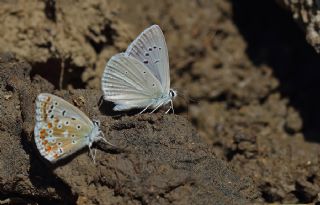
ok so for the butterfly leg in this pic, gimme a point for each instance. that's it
(101, 137)
(145, 108)
(171, 107)
(93, 156)
(156, 107)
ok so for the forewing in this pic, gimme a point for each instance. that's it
(126, 81)
(150, 48)
(61, 129)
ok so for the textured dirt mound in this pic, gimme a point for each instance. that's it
(249, 79)
(158, 159)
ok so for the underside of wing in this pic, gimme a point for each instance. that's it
(51, 106)
(61, 129)
(127, 82)
(150, 48)
(55, 140)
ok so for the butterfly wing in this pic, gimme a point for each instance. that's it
(61, 129)
(150, 48)
(128, 83)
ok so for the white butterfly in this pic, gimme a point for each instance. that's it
(62, 129)
(140, 78)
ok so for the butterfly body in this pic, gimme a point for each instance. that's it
(62, 129)
(139, 78)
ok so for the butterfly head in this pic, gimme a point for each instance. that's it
(172, 93)
(96, 132)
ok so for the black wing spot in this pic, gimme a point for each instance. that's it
(126, 72)
(159, 48)
(66, 123)
(63, 113)
(157, 61)
(51, 107)
(56, 103)
(154, 47)
(153, 84)
(150, 49)
(51, 116)
(146, 54)
(144, 72)
(73, 118)
(78, 127)
(145, 62)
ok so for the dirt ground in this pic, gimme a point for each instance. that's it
(246, 124)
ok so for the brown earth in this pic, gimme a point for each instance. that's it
(248, 82)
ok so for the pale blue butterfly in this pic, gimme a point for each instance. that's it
(140, 78)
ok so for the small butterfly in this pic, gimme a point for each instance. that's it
(62, 129)
(140, 78)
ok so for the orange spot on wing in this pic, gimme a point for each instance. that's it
(48, 148)
(43, 133)
(49, 125)
(55, 155)
(44, 142)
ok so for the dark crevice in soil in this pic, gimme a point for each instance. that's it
(51, 71)
(273, 38)
(50, 10)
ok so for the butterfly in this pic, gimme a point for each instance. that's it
(61, 129)
(140, 78)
